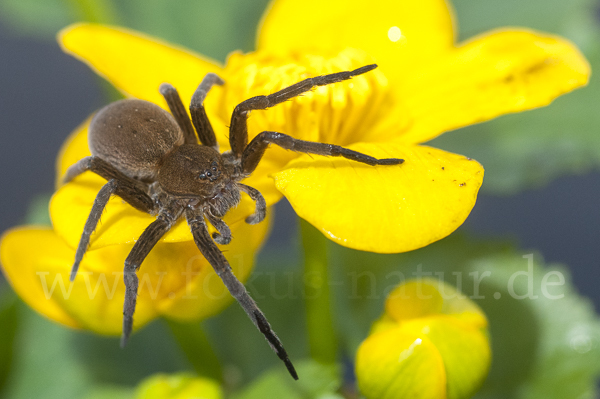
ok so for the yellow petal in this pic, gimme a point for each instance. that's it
(385, 208)
(395, 364)
(398, 34)
(178, 386)
(175, 280)
(431, 311)
(465, 351)
(120, 223)
(135, 63)
(414, 299)
(426, 297)
(493, 74)
(26, 271)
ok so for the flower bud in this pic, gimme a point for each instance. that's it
(431, 343)
(178, 386)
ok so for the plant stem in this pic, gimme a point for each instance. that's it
(321, 333)
(195, 345)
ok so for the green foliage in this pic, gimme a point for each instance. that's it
(8, 321)
(36, 373)
(549, 346)
(277, 287)
(110, 392)
(544, 347)
(51, 361)
(318, 382)
(197, 348)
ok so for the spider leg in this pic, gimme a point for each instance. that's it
(138, 253)
(201, 123)
(214, 256)
(238, 130)
(261, 205)
(92, 221)
(255, 150)
(131, 190)
(223, 236)
(178, 111)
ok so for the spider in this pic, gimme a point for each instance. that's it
(153, 161)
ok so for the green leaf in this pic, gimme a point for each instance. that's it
(110, 392)
(51, 361)
(545, 342)
(196, 347)
(530, 149)
(317, 381)
(45, 365)
(547, 338)
(8, 321)
(149, 351)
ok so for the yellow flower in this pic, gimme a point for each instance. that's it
(425, 85)
(178, 386)
(431, 343)
(175, 280)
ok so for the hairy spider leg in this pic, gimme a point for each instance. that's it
(223, 234)
(256, 149)
(142, 247)
(199, 118)
(261, 205)
(130, 190)
(178, 111)
(221, 266)
(204, 129)
(238, 129)
(92, 221)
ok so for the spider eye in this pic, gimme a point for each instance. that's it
(202, 176)
(208, 174)
(214, 168)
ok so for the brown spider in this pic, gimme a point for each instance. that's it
(153, 161)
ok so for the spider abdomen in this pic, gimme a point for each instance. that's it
(134, 136)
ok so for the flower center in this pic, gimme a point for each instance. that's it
(341, 113)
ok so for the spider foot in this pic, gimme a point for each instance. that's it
(221, 239)
(257, 217)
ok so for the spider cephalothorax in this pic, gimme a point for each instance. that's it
(153, 161)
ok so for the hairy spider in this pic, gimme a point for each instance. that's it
(153, 161)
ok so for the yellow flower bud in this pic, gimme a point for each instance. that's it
(431, 343)
(179, 386)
